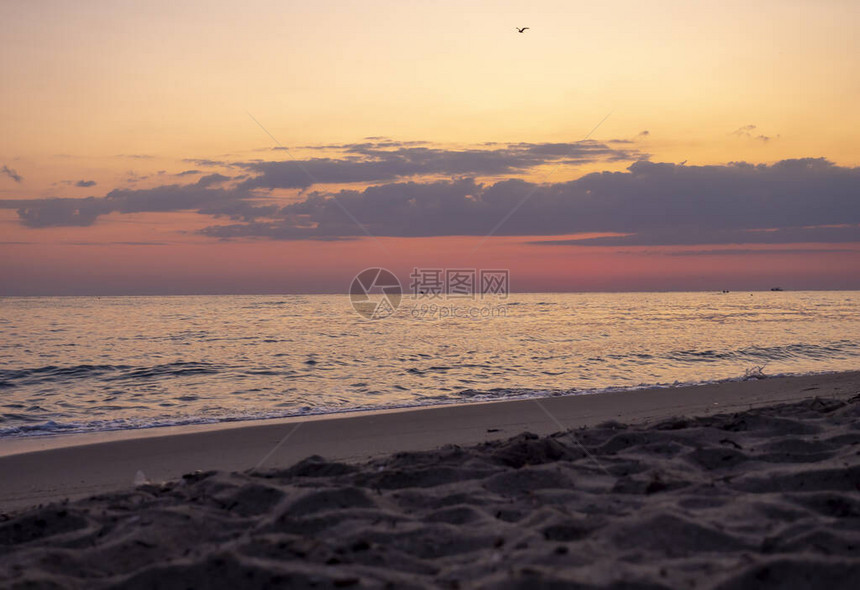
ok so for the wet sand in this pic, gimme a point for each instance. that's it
(74, 466)
(743, 484)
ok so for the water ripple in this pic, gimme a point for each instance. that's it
(77, 364)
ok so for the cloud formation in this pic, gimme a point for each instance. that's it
(756, 251)
(37, 213)
(212, 179)
(749, 132)
(802, 200)
(11, 174)
(806, 200)
(386, 161)
(85, 183)
(702, 235)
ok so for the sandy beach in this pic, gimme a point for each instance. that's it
(45, 469)
(742, 484)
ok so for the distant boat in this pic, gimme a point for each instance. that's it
(776, 288)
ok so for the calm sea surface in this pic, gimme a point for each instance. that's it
(77, 364)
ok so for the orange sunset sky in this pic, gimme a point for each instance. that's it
(281, 147)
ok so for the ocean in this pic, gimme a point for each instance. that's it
(84, 364)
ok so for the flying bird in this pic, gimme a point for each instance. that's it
(521, 30)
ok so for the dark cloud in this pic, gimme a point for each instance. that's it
(650, 203)
(85, 183)
(389, 161)
(697, 234)
(239, 210)
(805, 200)
(749, 251)
(83, 212)
(744, 131)
(211, 179)
(59, 212)
(205, 163)
(749, 132)
(115, 244)
(401, 209)
(188, 172)
(11, 174)
(133, 177)
(374, 142)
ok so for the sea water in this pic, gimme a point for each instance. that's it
(78, 364)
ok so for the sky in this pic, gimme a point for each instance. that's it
(282, 147)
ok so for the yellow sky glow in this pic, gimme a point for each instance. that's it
(122, 92)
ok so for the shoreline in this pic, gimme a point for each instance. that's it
(16, 445)
(75, 471)
(759, 490)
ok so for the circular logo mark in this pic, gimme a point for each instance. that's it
(375, 293)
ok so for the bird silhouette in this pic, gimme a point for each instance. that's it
(521, 30)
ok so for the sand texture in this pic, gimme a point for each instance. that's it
(765, 498)
(40, 470)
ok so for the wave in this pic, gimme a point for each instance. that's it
(11, 378)
(837, 349)
(463, 396)
(57, 374)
